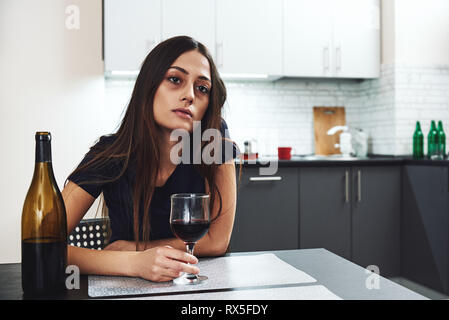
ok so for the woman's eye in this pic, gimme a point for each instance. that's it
(174, 80)
(203, 89)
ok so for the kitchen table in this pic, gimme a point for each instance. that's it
(341, 277)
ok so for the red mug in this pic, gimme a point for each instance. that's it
(284, 153)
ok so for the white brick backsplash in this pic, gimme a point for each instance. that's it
(386, 108)
(288, 121)
(280, 113)
(421, 94)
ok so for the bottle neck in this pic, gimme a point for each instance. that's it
(433, 126)
(43, 151)
(418, 127)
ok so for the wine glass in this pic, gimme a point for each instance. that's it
(189, 221)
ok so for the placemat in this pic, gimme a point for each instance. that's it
(313, 292)
(223, 273)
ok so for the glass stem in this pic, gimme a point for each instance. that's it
(189, 247)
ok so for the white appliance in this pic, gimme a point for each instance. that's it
(345, 144)
(356, 143)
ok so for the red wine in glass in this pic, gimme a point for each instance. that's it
(189, 222)
(189, 231)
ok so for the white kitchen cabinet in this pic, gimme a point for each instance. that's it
(131, 30)
(307, 38)
(331, 38)
(195, 18)
(297, 38)
(356, 37)
(249, 37)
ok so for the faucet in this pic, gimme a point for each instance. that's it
(335, 129)
(345, 140)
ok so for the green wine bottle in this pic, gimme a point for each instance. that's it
(432, 141)
(441, 141)
(418, 142)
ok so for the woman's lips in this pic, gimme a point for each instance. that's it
(182, 114)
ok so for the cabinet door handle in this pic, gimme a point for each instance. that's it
(359, 186)
(219, 54)
(338, 57)
(325, 58)
(265, 178)
(347, 186)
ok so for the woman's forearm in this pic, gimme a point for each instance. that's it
(205, 247)
(157, 264)
(114, 263)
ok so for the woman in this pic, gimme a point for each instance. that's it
(177, 85)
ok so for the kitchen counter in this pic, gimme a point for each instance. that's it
(310, 161)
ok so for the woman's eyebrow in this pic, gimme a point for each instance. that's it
(186, 72)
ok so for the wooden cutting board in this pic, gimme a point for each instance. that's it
(325, 118)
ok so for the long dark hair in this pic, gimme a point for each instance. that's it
(138, 135)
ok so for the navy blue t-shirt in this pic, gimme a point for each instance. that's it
(118, 194)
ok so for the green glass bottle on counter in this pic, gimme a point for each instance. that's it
(432, 141)
(418, 142)
(441, 141)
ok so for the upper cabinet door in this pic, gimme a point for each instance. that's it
(332, 38)
(249, 36)
(193, 18)
(307, 38)
(356, 35)
(131, 30)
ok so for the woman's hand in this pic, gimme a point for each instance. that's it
(163, 264)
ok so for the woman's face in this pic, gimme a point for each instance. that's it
(183, 95)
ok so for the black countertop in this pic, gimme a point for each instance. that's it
(305, 161)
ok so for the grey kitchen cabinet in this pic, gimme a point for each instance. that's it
(325, 209)
(267, 211)
(376, 208)
(353, 212)
(425, 225)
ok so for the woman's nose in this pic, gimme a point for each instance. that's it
(188, 94)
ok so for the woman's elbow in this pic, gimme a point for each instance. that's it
(218, 248)
(221, 249)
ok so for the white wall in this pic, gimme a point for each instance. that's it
(415, 32)
(51, 79)
(422, 32)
